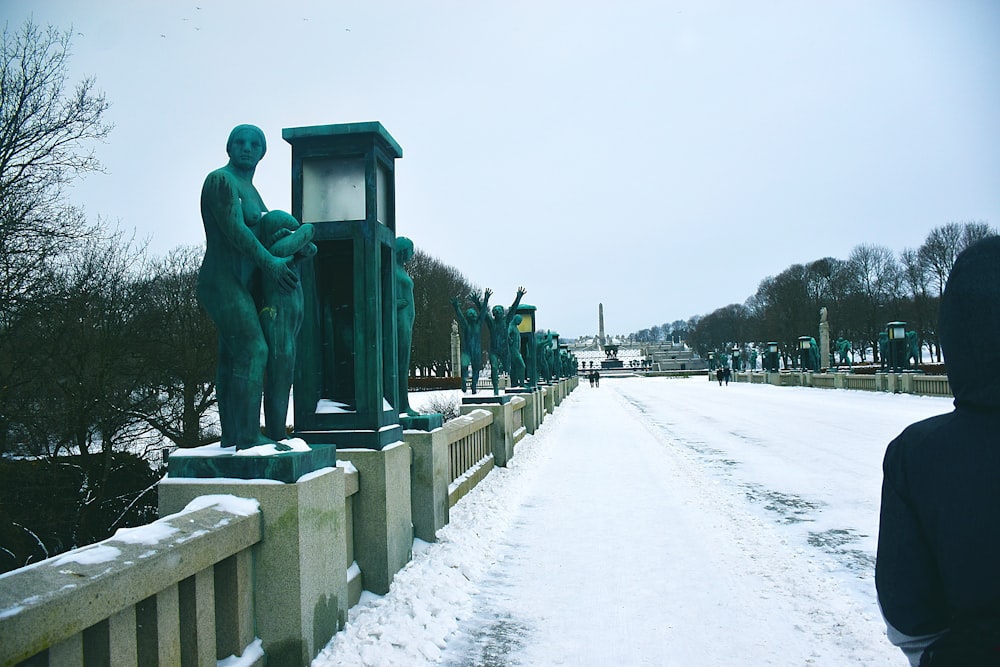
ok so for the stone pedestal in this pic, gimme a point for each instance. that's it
(300, 568)
(383, 528)
(530, 417)
(548, 399)
(428, 482)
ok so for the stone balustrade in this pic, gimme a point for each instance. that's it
(899, 383)
(174, 592)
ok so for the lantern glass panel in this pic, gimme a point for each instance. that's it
(333, 190)
(382, 180)
(526, 325)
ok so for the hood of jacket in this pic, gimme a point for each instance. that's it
(969, 324)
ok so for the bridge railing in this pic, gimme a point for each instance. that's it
(931, 385)
(905, 383)
(174, 592)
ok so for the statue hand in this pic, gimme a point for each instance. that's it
(487, 293)
(521, 291)
(279, 271)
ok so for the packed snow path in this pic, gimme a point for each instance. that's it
(658, 522)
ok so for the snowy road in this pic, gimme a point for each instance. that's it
(658, 522)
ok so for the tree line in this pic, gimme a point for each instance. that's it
(862, 293)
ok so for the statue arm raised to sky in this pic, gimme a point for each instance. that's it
(231, 211)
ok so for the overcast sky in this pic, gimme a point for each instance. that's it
(661, 158)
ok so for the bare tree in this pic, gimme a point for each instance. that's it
(178, 351)
(46, 138)
(434, 283)
(874, 288)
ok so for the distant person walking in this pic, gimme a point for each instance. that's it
(597, 379)
(719, 374)
(727, 374)
(939, 531)
(590, 376)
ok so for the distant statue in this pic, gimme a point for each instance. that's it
(405, 314)
(844, 352)
(517, 378)
(470, 329)
(883, 349)
(235, 259)
(280, 316)
(498, 321)
(813, 355)
(912, 349)
(543, 354)
(822, 315)
(753, 359)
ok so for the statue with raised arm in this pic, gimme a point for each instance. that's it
(405, 314)
(235, 259)
(517, 367)
(470, 325)
(498, 321)
(280, 315)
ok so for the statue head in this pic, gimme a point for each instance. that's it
(517, 320)
(251, 139)
(498, 312)
(471, 314)
(404, 249)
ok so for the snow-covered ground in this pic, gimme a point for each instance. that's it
(658, 522)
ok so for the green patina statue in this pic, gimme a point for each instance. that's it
(810, 357)
(498, 322)
(844, 352)
(405, 314)
(470, 327)
(883, 350)
(913, 356)
(517, 367)
(543, 355)
(280, 315)
(235, 263)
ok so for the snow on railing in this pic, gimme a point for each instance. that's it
(172, 591)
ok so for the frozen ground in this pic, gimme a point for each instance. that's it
(658, 522)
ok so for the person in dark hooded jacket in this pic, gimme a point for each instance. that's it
(938, 566)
